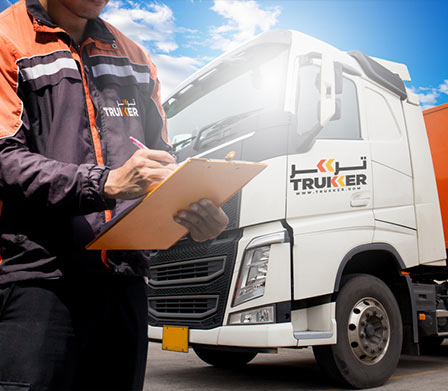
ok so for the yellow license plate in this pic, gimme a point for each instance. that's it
(175, 338)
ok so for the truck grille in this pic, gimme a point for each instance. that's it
(189, 272)
(190, 282)
(193, 307)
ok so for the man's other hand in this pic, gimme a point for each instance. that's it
(203, 219)
(144, 170)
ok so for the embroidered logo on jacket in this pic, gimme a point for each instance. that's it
(124, 108)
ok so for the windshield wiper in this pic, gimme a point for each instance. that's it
(214, 128)
(221, 124)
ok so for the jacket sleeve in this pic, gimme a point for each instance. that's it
(31, 177)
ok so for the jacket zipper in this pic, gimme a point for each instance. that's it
(94, 133)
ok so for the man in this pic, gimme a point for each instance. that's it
(73, 90)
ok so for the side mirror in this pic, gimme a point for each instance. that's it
(327, 91)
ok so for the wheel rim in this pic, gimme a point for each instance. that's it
(368, 331)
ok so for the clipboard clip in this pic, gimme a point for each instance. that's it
(230, 156)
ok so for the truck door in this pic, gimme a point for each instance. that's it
(329, 195)
(393, 194)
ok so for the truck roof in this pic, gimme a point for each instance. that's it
(386, 73)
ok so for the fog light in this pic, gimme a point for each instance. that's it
(253, 316)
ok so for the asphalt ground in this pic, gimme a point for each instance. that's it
(286, 370)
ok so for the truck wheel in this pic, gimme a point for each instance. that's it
(223, 358)
(369, 334)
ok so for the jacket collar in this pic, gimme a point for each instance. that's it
(96, 28)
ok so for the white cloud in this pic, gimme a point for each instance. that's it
(153, 26)
(429, 96)
(148, 24)
(244, 19)
(443, 88)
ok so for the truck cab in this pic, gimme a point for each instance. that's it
(336, 242)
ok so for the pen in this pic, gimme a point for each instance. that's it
(140, 145)
(137, 143)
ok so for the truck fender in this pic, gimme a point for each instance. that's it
(403, 291)
(366, 248)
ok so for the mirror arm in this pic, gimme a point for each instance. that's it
(307, 139)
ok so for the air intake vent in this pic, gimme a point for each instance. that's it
(188, 272)
(190, 307)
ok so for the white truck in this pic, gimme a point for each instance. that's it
(338, 244)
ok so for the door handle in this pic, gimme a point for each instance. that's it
(360, 199)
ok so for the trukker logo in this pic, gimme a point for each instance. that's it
(311, 184)
(124, 108)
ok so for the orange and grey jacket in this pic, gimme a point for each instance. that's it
(66, 114)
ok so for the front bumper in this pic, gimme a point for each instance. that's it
(251, 336)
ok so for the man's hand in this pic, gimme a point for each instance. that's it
(203, 219)
(144, 170)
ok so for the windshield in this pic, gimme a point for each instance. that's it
(250, 81)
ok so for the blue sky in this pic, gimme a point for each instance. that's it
(182, 35)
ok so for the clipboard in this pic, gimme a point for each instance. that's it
(149, 224)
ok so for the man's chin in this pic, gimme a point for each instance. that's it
(90, 9)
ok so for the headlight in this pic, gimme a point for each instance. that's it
(254, 268)
(252, 279)
(253, 316)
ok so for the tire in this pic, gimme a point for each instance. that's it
(223, 358)
(369, 334)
